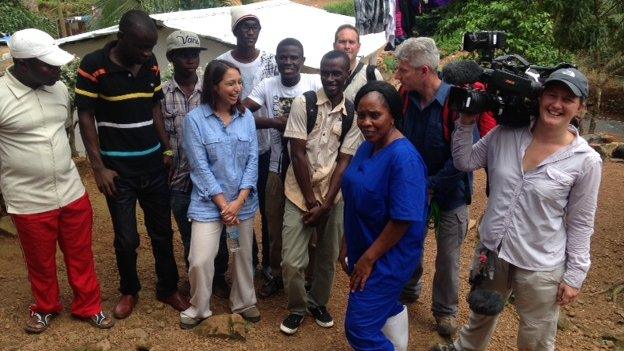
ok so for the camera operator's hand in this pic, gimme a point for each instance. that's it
(566, 294)
(467, 119)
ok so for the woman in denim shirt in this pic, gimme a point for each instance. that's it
(222, 148)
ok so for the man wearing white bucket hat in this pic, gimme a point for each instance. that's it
(41, 186)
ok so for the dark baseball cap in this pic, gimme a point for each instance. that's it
(573, 79)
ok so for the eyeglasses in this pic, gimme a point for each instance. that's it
(250, 27)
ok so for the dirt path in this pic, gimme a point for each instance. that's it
(593, 317)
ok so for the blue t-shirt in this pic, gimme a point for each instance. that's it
(391, 184)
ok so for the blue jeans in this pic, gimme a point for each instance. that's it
(153, 195)
(180, 201)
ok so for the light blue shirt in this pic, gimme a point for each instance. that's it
(223, 160)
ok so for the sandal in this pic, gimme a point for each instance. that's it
(38, 322)
(102, 321)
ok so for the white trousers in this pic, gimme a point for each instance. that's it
(204, 246)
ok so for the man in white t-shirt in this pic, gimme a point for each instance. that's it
(254, 65)
(276, 95)
(347, 39)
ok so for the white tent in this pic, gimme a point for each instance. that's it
(279, 19)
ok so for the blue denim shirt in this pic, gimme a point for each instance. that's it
(223, 160)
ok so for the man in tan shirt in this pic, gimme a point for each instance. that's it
(41, 186)
(312, 188)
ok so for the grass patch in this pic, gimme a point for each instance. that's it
(345, 7)
(390, 63)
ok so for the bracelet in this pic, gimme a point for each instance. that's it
(168, 152)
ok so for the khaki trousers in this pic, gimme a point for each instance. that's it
(535, 301)
(295, 257)
(274, 210)
(204, 246)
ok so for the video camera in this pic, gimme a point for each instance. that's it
(512, 84)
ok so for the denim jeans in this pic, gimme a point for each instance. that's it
(180, 201)
(153, 195)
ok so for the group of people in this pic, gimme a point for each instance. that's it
(340, 165)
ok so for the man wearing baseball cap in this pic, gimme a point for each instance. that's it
(41, 186)
(182, 94)
(254, 65)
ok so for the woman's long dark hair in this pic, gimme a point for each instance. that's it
(215, 70)
(391, 98)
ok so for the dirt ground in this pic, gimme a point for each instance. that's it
(596, 320)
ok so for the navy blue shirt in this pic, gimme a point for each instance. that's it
(389, 185)
(424, 127)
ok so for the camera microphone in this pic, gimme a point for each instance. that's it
(462, 72)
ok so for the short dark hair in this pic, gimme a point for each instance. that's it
(136, 19)
(391, 98)
(215, 70)
(337, 54)
(289, 42)
(346, 26)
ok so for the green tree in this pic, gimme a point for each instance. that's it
(594, 29)
(16, 17)
(530, 27)
(112, 10)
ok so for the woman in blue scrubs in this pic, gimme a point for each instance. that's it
(385, 196)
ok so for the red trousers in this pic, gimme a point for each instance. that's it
(71, 226)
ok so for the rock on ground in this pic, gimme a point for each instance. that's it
(228, 326)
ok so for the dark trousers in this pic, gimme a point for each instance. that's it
(153, 195)
(221, 261)
(180, 201)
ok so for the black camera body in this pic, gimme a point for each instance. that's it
(513, 85)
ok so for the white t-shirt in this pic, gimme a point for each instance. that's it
(252, 73)
(277, 98)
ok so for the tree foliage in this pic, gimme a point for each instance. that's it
(16, 17)
(112, 10)
(530, 27)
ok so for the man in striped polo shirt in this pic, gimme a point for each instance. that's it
(119, 88)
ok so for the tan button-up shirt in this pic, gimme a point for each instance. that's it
(322, 145)
(37, 173)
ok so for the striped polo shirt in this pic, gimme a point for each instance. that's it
(123, 106)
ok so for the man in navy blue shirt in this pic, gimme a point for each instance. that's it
(426, 125)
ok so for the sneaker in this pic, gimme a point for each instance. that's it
(446, 325)
(102, 321)
(271, 287)
(251, 314)
(322, 317)
(291, 324)
(38, 322)
(187, 322)
(444, 347)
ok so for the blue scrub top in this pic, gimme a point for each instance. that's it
(391, 184)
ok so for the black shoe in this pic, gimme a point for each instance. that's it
(407, 298)
(444, 347)
(221, 289)
(291, 324)
(271, 287)
(322, 317)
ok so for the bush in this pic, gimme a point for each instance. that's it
(530, 29)
(16, 17)
(345, 7)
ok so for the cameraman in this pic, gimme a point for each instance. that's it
(544, 181)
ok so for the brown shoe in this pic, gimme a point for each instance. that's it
(125, 306)
(38, 322)
(177, 301)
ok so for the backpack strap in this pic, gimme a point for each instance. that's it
(347, 121)
(357, 69)
(311, 109)
(370, 73)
